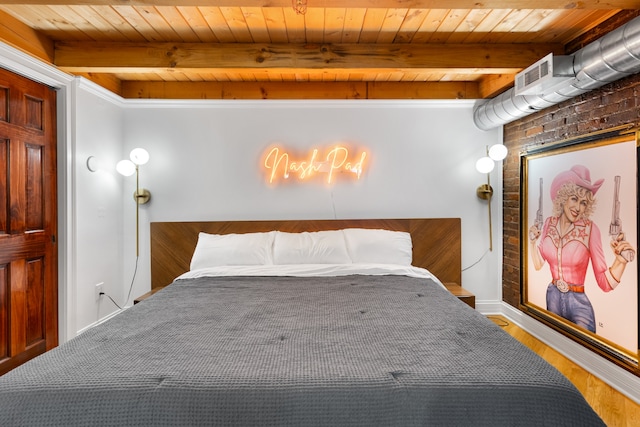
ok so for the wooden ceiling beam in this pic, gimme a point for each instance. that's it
(107, 81)
(22, 37)
(494, 84)
(304, 90)
(104, 57)
(386, 4)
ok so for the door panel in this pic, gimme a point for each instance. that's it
(4, 193)
(4, 312)
(35, 183)
(35, 328)
(28, 253)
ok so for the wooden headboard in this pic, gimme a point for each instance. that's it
(436, 241)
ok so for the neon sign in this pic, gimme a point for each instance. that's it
(280, 164)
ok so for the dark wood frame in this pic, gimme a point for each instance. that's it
(577, 146)
(436, 241)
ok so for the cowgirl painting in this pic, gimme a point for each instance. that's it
(568, 240)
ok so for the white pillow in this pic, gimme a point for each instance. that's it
(213, 250)
(317, 247)
(379, 246)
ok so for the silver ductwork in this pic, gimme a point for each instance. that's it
(610, 58)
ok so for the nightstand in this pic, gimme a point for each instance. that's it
(147, 295)
(462, 294)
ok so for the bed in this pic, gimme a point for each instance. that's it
(296, 323)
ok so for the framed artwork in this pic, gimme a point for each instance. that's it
(579, 241)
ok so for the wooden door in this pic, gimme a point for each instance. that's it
(28, 223)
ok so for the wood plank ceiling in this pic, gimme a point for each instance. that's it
(249, 49)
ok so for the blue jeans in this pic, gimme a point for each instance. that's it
(573, 306)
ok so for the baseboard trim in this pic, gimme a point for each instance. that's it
(104, 319)
(623, 381)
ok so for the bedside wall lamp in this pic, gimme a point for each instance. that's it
(93, 164)
(485, 165)
(138, 156)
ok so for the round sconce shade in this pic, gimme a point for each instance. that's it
(484, 165)
(93, 164)
(139, 156)
(126, 167)
(497, 152)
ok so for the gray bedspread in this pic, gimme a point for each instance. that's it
(354, 350)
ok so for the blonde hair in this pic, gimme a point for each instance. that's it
(570, 189)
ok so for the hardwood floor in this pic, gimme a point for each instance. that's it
(615, 409)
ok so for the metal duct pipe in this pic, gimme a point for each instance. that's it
(610, 58)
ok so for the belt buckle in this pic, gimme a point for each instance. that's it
(562, 286)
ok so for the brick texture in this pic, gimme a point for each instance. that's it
(612, 105)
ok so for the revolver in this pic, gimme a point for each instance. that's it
(615, 229)
(539, 219)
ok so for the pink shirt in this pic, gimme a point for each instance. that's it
(568, 256)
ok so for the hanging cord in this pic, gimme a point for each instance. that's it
(480, 259)
(333, 204)
(112, 300)
(133, 279)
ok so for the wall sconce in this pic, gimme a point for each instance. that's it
(93, 164)
(486, 164)
(138, 156)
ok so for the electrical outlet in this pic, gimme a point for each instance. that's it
(98, 290)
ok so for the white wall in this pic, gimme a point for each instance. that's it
(205, 166)
(98, 219)
(206, 159)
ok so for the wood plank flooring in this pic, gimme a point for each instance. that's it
(615, 409)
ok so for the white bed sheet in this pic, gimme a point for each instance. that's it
(310, 270)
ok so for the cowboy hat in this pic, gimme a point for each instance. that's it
(579, 175)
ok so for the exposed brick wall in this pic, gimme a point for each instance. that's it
(609, 106)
